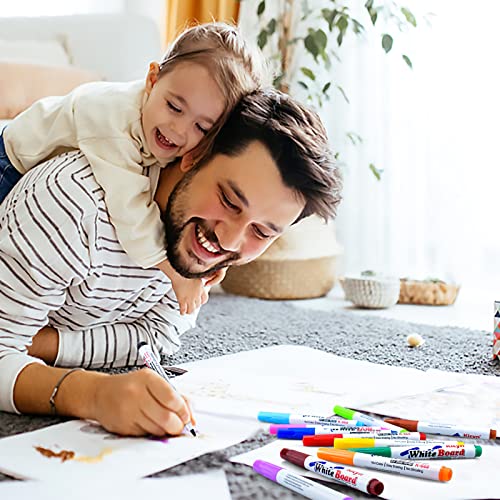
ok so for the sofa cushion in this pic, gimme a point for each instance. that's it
(22, 84)
(34, 51)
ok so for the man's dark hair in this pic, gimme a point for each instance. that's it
(297, 142)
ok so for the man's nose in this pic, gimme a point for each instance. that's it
(230, 236)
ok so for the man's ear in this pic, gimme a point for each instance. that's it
(187, 162)
(152, 76)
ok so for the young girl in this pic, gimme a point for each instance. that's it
(123, 128)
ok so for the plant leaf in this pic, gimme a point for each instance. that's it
(376, 172)
(344, 95)
(409, 16)
(308, 73)
(354, 138)
(369, 4)
(387, 42)
(321, 40)
(271, 26)
(329, 16)
(262, 39)
(261, 7)
(311, 47)
(408, 61)
(342, 23)
(326, 87)
(303, 84)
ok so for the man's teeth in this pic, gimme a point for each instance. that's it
(163, 139)
(204, 242)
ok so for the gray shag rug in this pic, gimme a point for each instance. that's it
(229, 324)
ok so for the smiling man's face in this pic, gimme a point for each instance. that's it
(227, 212)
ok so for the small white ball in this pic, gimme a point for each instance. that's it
(414, 340)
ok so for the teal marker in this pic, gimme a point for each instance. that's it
(366, 419)
(425, 452)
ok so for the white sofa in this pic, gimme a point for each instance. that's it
(117, 47)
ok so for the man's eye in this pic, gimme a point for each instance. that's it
(260, 234)
(227, 202)
(175, 109)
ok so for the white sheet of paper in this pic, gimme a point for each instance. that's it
(472, 400)
(213, 484)
(294, 378)
(102, 455)
(472, 478)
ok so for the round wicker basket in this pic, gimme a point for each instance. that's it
(431, 293)
(371, 293)
(281, 280)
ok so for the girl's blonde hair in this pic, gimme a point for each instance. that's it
(236, 67)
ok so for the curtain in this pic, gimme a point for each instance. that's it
(433, 130)
(182, 12)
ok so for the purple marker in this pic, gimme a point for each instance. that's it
(296, 483)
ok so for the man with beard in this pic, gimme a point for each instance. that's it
(71, 297)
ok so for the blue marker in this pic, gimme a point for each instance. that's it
(293, 418)
(300, 432)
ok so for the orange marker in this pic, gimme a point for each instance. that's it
(423, 470)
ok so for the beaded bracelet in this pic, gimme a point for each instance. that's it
(52, 401)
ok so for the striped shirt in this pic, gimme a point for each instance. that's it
(61, 265)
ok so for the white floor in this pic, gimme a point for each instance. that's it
(472, 309)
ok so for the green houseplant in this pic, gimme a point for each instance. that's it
(292, 28)
(287, 31)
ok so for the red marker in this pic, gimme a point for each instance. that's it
(338, 473)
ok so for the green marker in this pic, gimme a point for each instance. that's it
(366, 419)
(425, 451)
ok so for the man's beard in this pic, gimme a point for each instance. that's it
(175, 225)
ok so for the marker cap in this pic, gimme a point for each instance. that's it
(273, 417)
(338, 456)
(320, 439)
(344, 412)
(294, 433)
(274, 428)
(375, 487)
(445, 474)
(293, 456)
(266, 469)
(479, 450)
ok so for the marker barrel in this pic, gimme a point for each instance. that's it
(444, 429)
(366, 419)
(425, 452)
(422, 470)
(152, 363)
(295, 418)
(274, 428)
(300, 432)
(297, 483)
(338, 473)
(345, 443)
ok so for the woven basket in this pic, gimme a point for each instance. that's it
(371, 293)
(428, 293)
(281, 280)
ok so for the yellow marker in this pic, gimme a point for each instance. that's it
(366, 442)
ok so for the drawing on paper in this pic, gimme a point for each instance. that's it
(63, 454)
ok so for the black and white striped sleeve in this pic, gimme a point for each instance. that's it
(116, 345)
(42, 253)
